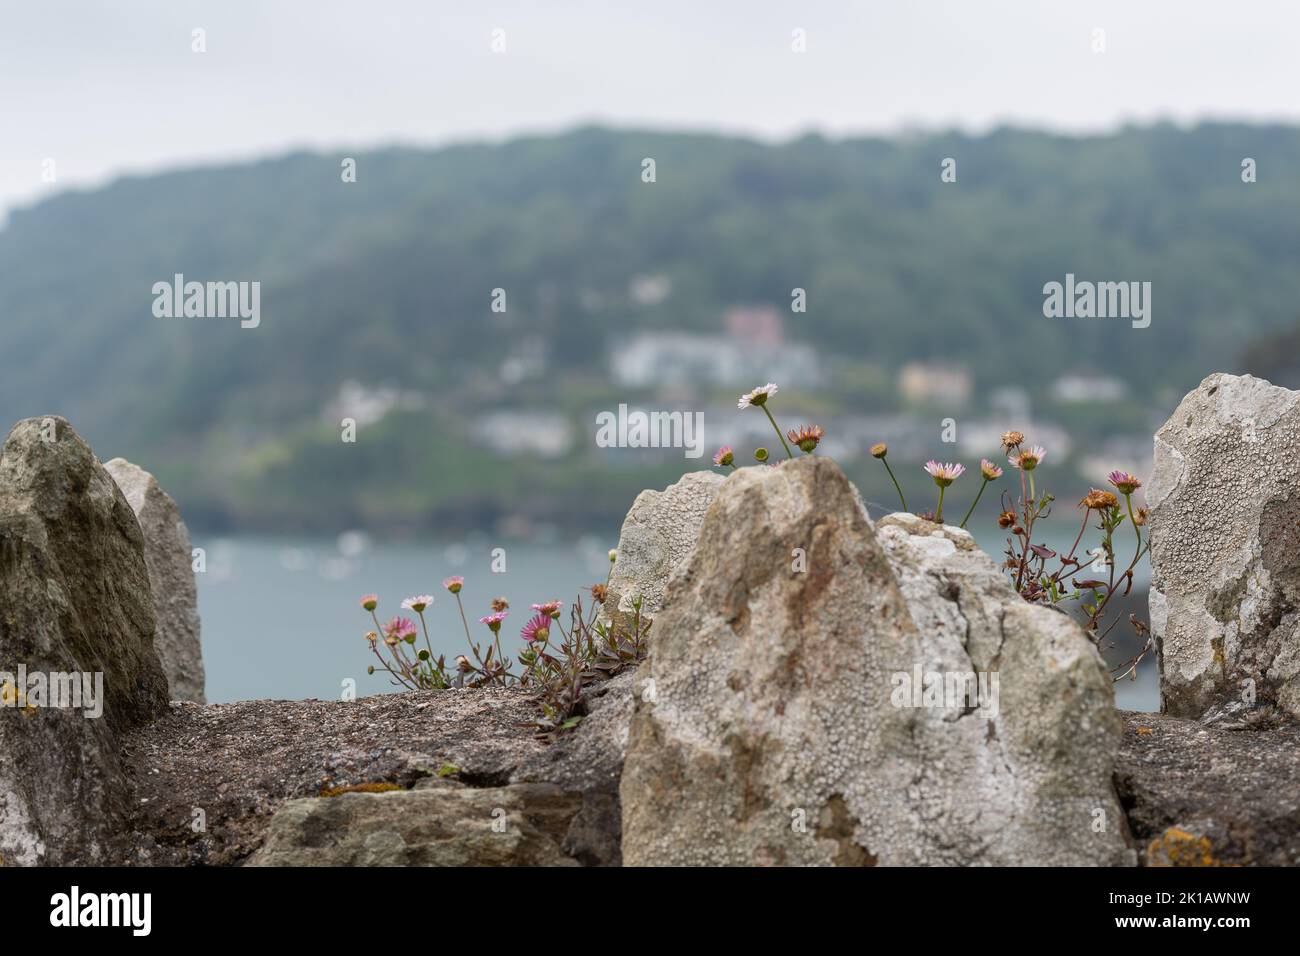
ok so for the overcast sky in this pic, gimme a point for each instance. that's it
(106, 88)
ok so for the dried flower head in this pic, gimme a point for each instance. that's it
(372, 637)
(806, 437)
(1098, 500)
(724, 456)
(1140, 518)
(598, 592)
(1012, 440)
(990, 471)
(1006, 519)
(758, 396)
(1027, 459)
(454, 583)
(879, 450)
(500, 604)
(944, 474)
(1125, 482)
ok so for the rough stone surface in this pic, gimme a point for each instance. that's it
(590, 762)
(74, 599)
(171, 578)
(1200, 795)
(517, 825)
(1225, 550)
(658, 535)
(771, 737)
(241, 763)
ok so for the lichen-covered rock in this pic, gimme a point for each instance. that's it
(782, 726)
(1225, 550)
(74, 602)
(1199, 795)
(171, 578)
(439, 825)
(658, 535)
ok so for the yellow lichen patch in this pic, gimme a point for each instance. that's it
(1177, 847)
(376, 787)
(1144, 730)
(11, 696)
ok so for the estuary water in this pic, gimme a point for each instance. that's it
(281, 617)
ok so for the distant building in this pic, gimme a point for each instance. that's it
(1010, 402)
(650, 290)
(1082, 387)
(366, 405)
(931, 384)
(546, 434)
(685, 358)
(757, 325)
(526, 360)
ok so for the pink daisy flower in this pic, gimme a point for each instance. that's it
(418, 603)
(724, 456)
(454, 584)
(493, 621)
(1027, 459)
(370, 601)
(990, 471)
(944, 474)
(1126, 483)
(537, 629)
(550, 608)
(402, 628)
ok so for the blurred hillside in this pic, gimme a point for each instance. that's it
(924, 301)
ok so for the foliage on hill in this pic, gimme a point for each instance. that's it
(390, 279)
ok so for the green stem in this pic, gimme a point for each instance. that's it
(474, 647)
(1128, 503)
(973, 504)
(938, 512)
(901, 499)
(778, 430)
(429, 647)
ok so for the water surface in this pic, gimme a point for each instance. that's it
(281, 617)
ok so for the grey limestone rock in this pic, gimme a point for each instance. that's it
(1225, 550)
(775, 733)
(171, 578)
(74, 601)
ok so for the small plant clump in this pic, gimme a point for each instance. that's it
(556, 661)
(1039, 574)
